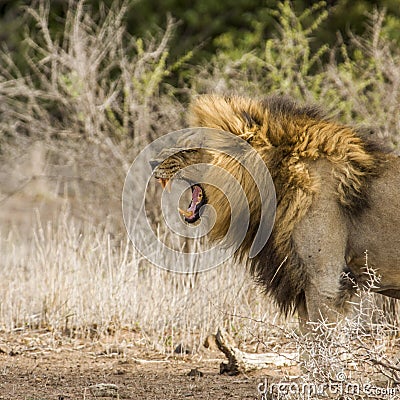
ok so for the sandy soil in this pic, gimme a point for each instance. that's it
(41, 367)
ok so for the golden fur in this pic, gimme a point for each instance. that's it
(293, 141)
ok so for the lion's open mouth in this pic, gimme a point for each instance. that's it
(192, 214)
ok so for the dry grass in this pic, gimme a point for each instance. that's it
(74, 278)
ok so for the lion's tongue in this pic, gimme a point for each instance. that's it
(195, 199)
(190, 213)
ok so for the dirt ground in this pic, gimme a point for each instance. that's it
(38, 366)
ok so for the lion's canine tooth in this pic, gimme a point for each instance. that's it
(187, 214)
(168, 185)
(165, 183)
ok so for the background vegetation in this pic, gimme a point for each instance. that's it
(84, 86)
(206, 27)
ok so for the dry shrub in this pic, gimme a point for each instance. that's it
(353, 356)
(92, 98)
(358, 82)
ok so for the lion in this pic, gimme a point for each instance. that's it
(337, 194)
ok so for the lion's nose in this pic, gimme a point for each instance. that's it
(153, 164)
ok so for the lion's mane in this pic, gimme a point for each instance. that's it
(289, 138)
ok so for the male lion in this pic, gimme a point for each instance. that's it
(338, 196)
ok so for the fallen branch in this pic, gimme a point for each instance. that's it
(240, 362)
(142, 361)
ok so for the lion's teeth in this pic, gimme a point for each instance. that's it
(168, 185)
(187, 214)
(165, 183)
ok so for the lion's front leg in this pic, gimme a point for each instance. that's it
(321, 239)
(322, 303)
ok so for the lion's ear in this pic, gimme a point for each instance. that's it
(234, 114)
